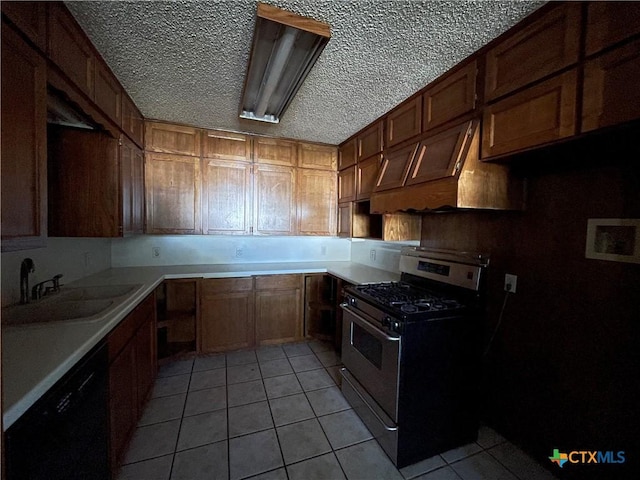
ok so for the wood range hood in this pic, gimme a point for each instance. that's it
(444, 172)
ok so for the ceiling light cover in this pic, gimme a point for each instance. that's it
(285, 48)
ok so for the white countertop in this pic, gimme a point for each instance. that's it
(35, 357)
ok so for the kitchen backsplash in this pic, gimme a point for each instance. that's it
(72, 257)
(153, 250)
(378, 254)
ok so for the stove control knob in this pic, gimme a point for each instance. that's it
(386, 321)
(395, 326)
(353, 302)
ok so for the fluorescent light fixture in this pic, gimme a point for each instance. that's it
(285, 47)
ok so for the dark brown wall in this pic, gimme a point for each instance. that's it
(563, 370)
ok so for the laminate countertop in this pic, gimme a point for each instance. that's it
(35, 357)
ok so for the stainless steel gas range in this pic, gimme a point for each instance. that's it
(411, 351)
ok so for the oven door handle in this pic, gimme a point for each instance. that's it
(364, 323)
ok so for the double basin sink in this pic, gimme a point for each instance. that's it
(81, 304)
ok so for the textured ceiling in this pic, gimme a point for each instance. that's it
(185, 61)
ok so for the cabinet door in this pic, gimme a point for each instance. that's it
(278, 309)
(347, 184)
(609, 23)
(274, 209)
(610, 91)
(395, 168)
(226, 314)
(175, 139)
(317, 202)
(323, 157)
(30, 18)
(226, 145)
(137, 191)
(275, 152)
(545, 46)
(132, 121)
(173, 193)
(347, 154)
(70, 49)
(404, 122)
(108, 94)
(451, 97)
(84, 188)
(367, 174)
(226, 193)
(24, 144)
(370, 141)
(344, 219)
(442, 155)
(145, 348)
(123, 406)
(538, 115)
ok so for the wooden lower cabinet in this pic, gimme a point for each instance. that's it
(132, 371)
(278, 309)
(226, 320)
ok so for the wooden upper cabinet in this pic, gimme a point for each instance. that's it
(395, 167)
(317, 201)
(227, 195)
(532, 117)
(274, 209)
(70, 49)
(226, 145)
(30, 18)
(547, 45)
(132, 180)
(366, 176)
(24, 144)
(274, 151)
(323, 157)
(440, 156)
(345, 213)
(370, 141)
(610, 92)
(347, 184)
(108, 93)
(404, 122)
(226, 320)
(347, 154)
(451, 97)
(132, 121)
(172, 184)
(168, 138)
(609, 23)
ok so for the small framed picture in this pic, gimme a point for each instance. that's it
(614, 239)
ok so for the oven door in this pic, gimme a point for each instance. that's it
(373, 358)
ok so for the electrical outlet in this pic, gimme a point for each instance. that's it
(155, 252)
(372, 255)
(239, 252)
(510, 283)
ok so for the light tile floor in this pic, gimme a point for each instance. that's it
(277, 413)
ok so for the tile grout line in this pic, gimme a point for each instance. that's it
(175, 447)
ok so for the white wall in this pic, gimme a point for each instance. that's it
(72, 257)
(208, 249)
(386, 255)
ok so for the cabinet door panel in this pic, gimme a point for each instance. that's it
(145, 347)
(344, 219)
(30, 18)
(395, 167)
(439, 156)
(347, 184)
(176, 139)
(137, 192)
(108, 94)
(173, 193)
(275, 152)
(547, 45)
(24, 143)
(226, 319)
(226, 145)
(70, 49)
(347, 154)
(126, 180)
(453, 96)
(132, 121)
(367, 174)
(370, 141)
(610, 92)
(535, 116)
(278, 316)
(323, 157)
(122, 402)
(226, 197)
(274, 208)
(404, 122)
(609, 23)
(317, 202)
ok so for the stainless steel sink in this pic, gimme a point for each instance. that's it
(98, 292)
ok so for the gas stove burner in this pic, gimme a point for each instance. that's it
(409, 308)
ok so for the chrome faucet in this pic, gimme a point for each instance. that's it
(36, 291)
(26, 267)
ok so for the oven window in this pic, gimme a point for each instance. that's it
(368, 345)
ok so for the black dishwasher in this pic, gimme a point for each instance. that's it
(64, 434)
